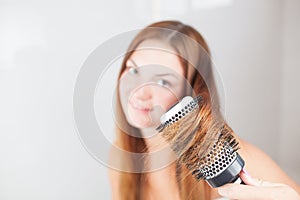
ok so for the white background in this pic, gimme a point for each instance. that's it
(255, 46)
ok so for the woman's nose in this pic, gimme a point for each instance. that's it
(143, 92)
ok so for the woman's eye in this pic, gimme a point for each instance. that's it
(163, 82)
(133, 70)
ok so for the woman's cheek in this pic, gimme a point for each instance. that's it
(165, 99)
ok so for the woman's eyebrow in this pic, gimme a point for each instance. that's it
(159, 75)
(135, 65)
(168, 74)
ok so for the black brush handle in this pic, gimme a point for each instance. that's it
(230, 175)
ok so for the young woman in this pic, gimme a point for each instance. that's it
(161, 67)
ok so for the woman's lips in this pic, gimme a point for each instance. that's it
(143, 109)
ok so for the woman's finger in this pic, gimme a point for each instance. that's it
(257, 189)
(244, 192)
(248, 180)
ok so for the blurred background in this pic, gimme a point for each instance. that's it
(255, 46)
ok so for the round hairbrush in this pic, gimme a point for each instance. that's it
(211, 156)
(178, 111)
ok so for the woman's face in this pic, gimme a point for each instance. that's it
(151, 83)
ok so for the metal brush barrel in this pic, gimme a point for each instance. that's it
(229, 175)
(178, 111)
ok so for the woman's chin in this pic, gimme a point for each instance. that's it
(140, 124)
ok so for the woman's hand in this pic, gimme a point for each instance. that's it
(257, 189)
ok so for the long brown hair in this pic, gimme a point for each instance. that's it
(131, 185)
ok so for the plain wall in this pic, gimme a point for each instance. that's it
(290, 109)
(255, 47)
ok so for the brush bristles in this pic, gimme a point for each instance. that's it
(220, 155)
(206, 150)
(180, 135)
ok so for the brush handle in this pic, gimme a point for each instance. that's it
(230, 175)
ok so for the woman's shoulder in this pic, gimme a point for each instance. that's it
(257, 162)
(262, 166)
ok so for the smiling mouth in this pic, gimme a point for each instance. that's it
(139, 108)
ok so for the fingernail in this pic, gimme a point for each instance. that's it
(246, 172)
